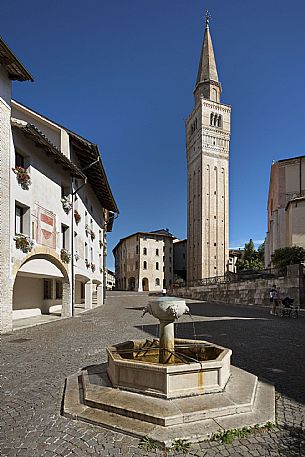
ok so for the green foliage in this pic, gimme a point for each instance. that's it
(288, 256)
(252, 259)
(148, 444)
(228, 436)
(181, 446)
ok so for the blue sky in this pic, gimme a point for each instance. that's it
(122, 72)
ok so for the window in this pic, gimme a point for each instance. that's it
(145, 265)
(19, 160)
(47, 289)
(157, 282)
(64, 236)
(58, 290)
(137, 249)
(22, 219)
(86, 251)
(18, 219)
(157, 251)
(145, 251)
(82, 291)
(157, 265)
(91, 255)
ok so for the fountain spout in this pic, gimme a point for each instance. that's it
(166, 310)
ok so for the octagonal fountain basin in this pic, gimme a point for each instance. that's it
(199, 368)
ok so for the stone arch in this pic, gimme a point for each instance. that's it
(131, 283)
(50, 255)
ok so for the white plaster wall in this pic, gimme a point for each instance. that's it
(28, 293)
(53, 132)
(47, 178)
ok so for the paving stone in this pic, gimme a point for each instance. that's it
(34, 373)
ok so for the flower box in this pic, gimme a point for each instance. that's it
(65, 256)
(24, 243)
(23, 177)
(77, 216)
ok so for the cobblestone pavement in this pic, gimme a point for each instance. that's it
(36, 361)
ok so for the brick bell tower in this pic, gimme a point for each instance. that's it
(207, 151)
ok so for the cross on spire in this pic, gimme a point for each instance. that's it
(207, 19)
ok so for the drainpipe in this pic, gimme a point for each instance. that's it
(72, 232)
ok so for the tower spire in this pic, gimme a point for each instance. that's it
(207, 83)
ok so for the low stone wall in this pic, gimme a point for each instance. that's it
(251, 291)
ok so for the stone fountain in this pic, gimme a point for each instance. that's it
(168, 388)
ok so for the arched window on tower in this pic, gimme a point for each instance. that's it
(214, 95)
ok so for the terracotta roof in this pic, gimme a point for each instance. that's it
(40, 139)
(87, 153)
(13, 66)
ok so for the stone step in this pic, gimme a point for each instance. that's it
(238, 397)
(263, 411)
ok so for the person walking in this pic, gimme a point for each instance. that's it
(274, 299)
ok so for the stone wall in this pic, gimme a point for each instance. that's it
(5, 258)
(251, 291)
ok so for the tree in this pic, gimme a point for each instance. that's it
(288, 256)
(252, 259)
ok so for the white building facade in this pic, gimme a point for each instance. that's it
(56, 207)
(207, 150)
(144, 261)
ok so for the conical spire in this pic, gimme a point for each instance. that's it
(207, 72)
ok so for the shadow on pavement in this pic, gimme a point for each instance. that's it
(268, 346)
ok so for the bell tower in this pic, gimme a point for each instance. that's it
(207, 151)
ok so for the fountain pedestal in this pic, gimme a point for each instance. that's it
(156, 388)
(167, 342)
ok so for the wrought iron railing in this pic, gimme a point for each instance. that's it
(244, 275)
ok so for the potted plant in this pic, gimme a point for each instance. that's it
(65, 256)
(93, 267)
(23, 177)
(23, 242)
(92, 234)
(87, 263)
(101, 270)
(77, 216)
(66, 204)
